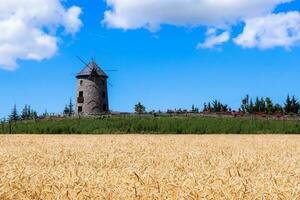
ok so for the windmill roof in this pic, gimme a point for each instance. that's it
(90, 68)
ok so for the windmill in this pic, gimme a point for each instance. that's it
(92, 90)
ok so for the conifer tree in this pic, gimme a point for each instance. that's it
(256, 105)
(294, 105)
(245, 104)
(209, 108)
(70, 108)
(14, 114)
(193, 108)
(24, 114)
(205, 109)
(251, 107)
(29, 111)
(288, 105)
(269, 106)
(278, 108)
(46, 114)
(66, 110)
(262, 105)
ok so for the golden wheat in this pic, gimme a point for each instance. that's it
(149, 167)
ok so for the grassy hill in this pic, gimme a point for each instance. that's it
(155, 125)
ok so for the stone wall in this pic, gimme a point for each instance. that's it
(94, 98)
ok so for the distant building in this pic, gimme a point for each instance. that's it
(92, 95)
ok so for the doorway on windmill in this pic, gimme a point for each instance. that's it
(79, 109)
(80, 93)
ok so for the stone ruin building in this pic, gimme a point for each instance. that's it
(92, 95)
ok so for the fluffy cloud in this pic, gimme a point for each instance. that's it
(212, 39)
(132, 14)
(28, 29)
(221, 15)
(275, 30)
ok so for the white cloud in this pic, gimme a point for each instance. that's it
(28, 29)
(71, 20)
(133, 14)
(220, 15)
(275, 30)
(213, 39)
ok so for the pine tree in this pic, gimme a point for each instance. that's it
(278, 108)
(14, 114)
(256, 105)
(245, 104)
(193, 108)
(46, 114)
(33, 114)
(209, 108)
(66, 110)
(29, 114)
(294, 105)
(70, 108)
(288, 105)
(251, 107)
(24, 114)
(262, 105)
(205, 109)
(269, 105)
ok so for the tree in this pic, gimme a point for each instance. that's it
(29, 113)
(217, 106)
(209, 108)
(24, 114)
(262, 105)
(33, 114)
(251, 107)
(139, 108)
(278, 108)
(45, 114)
(245, 104)
(294, 105)
(66, 110)
(14, 114)
(194, 109)
(205, 109)
(256, 105)
(269, 106)
(70, 108)
(288, 105)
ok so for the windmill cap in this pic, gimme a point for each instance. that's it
(91, 69)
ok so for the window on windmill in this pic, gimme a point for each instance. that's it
(103, 82)
(79, 109)
(80, 93)
(81, 82)
(104, 94)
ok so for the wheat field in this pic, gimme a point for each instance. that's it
(149, 167)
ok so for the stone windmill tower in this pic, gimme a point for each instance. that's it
(92, 96)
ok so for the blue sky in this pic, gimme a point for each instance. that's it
(161, 68)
